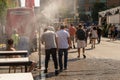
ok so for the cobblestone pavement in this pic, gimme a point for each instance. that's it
(102, 63)
(88, 69)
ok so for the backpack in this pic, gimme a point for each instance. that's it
(80, 34)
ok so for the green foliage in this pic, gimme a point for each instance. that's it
(105, 29)
(97, 8)
(2, 4)
(3, 7)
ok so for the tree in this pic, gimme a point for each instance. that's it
(97, 7)
(3, 7)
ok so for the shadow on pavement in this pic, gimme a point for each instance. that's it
(73, 59)
(88, 49)
(50, 74)
(73, 51)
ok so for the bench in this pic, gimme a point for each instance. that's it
(16, 76)
(9, 53)
(16, 62)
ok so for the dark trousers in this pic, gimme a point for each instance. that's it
(51, 51)
(99, 38)
(60, 54)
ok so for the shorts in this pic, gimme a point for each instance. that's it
(72, 38)
(81, 44)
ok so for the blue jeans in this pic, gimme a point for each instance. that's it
(62, 52)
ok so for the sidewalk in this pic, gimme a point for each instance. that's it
(88, 69)
(91, 68)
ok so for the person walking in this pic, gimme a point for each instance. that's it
(81, 44)
(49, 37)
(63, 45)
(99, 32)
(94, 36)
(72, 31)
(115, 33)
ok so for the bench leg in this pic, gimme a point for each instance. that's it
(9, 68)
(25, 68)
(21, 69)
(14, 69)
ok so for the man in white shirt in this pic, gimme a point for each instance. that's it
(63, 45)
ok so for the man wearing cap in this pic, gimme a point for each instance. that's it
(49, 38)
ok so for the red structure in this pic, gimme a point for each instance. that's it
(29, 3)
(20, 19)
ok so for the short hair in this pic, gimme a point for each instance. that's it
(10, 41)
(71, 24)
(51, 28)
(94, 28)
(80, 26)
(45, 29)
(65, 26)
(62, 27)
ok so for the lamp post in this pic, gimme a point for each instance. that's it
(37, 19)
(39, 48)
(76, 14)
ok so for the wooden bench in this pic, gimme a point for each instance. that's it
(16, 62)
(16, 76)
(9, 53)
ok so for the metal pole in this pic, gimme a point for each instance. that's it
(39, 49)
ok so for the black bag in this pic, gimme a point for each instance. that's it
(80, 34)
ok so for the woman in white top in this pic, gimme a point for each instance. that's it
(94, 36)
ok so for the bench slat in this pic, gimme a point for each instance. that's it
(7, 53)
(16, 62)
(16, 76)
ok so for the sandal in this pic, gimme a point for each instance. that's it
(84, 56)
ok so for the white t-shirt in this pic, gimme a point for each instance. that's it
(63, 36)
(94, 34)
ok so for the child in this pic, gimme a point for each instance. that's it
(10, 45)
(11, 48)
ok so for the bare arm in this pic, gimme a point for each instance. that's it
(56, 39)
(69, 42)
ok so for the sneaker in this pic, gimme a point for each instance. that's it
(45, 71)
(65, 68)
(74, 46)
(56, 72)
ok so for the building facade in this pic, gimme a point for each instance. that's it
(111, 3)
(85, 6)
